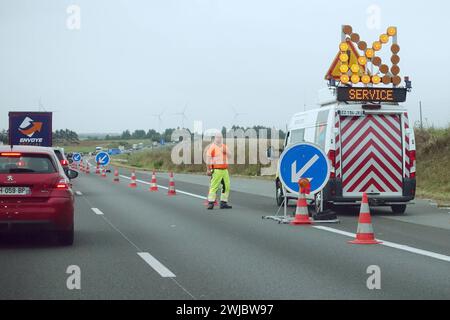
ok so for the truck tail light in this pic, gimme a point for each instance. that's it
(64, 162)
(332, 157)
(412, 163)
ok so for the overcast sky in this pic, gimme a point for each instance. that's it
(131, 59)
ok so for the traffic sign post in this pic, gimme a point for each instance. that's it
(77, 157)
(102, 158)
(304, 160)
(301, 161)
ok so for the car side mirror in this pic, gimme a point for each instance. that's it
(72, 174)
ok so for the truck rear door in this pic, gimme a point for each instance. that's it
(371, 154)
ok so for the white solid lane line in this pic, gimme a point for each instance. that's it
(402, 247)
(392, 245)
(97, 211)
(78, 193)
(156, 265)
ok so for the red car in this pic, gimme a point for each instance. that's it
(35, 191)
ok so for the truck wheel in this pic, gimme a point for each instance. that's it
(279, 194)
(398, 208)
(66, 237)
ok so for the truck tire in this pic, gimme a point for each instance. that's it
(279, 194)
(398, 208)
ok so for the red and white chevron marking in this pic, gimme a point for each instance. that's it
(371, 153)
(407, 164)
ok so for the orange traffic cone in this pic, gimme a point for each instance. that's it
(364, 234)
(171, 191)
(97, 169)
(301, 212)
(153, 185)
(133, 183)
(116, 176)
(88, 170)
(81, 167)
(103, 172)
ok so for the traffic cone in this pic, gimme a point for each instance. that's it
(364, 234)
(301, 212)
(116, 176)
(81, 167)
(103, 172)
(171, 191)
(88, 170)
(133, 183)
(153, 185)
(97, 169)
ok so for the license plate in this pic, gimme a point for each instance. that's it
(351, 113)
(14, 191)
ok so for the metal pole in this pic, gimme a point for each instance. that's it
(420, 109)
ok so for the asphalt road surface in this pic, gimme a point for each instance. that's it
(135, 244)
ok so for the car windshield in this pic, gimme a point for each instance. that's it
(26, 163)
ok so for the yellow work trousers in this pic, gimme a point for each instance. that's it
(219, 178)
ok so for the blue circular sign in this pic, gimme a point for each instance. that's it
(77, 157)
(304, 160)
(102, 158)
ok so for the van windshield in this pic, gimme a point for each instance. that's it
(25, 163)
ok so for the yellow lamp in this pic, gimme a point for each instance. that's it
(376, 46)
(343, 68)
(370, 53)
(343, 57)
(355, 78)
(355, 68)
(376, 79)
(362, 61)
(392, 31)
(365, 79)
(343, 46)
(345, 78)
(384, 38)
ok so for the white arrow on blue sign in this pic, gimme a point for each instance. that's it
(304, 160)
(77, 157)
(102, 158)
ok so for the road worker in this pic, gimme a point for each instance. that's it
(217, 163)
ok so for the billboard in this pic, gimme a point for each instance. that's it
(30, 128)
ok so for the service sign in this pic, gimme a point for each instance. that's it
(387, 95)
(30, 128)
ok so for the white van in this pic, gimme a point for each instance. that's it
(370, 146)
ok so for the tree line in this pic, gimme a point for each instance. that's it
(63, 136)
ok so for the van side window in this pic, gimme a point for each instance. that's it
(297, 136)
(321, 128)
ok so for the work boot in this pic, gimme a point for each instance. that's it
(210, 205)
(225, 205)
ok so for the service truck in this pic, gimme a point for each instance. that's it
(367, 135)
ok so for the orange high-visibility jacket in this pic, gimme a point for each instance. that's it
(217, 156)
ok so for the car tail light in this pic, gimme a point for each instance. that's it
(63, 184)
(10, 154)
(64, 162)
(332, 157)
(412, 163)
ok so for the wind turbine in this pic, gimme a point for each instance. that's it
(41, 106)
(236, 116)
(159, 117)
(183, 116)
